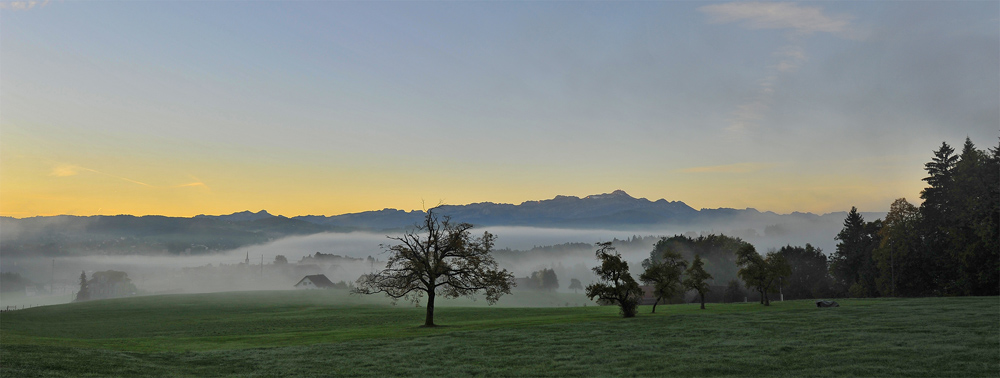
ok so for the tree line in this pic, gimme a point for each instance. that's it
(946, 246)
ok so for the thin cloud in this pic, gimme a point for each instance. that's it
(791, 58)
(22, 5)
(729, 168)
(197, 185)
(800, 20)
(65, 170)
(756, 15)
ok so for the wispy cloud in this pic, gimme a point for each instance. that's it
(65, 170)
(22, 5)
(729, 168)
(791, 57)
(195, 183)
(192, 185)
(801, 21)
(758, 15)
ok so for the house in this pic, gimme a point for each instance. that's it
(315, 281)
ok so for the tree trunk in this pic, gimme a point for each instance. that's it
(702, 300)
(429, 320)
(654, 304)
(767, 301)
(761, 292)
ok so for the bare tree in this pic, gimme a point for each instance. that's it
(438, 258)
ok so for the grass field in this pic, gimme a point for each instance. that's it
(327, 333)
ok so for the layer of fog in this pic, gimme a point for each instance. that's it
(346, 256)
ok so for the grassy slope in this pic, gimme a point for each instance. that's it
(323, 333)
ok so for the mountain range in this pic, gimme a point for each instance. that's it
(124, 234)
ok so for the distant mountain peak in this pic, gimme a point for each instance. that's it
(245, 215)
(259, 214)
(615, 194)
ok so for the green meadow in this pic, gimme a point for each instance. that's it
(331, 333)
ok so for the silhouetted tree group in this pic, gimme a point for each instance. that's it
(663, 270)
(544, 279)
(950, 245)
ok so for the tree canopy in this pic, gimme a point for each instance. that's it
(762, 273)
(810, 276)
(575, 284)
(696, 277)
(439, 258)
(949, 245)
(616, 283)
(663, 270)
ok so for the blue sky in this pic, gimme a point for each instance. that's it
(181, 108)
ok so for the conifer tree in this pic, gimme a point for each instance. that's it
(84, 293)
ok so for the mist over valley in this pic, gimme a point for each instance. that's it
(240, 251)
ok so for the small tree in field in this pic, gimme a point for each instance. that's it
(574, 284)
(617, 285)
(778, 271)
(696, 277)
(438, 258)
(663, 271)
(752, 269)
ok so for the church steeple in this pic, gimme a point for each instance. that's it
(248, 258)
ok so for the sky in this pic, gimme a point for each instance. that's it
(181, 108)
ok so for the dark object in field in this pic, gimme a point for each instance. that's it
(827, 304)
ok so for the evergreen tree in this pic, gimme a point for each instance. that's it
(971, 246)
(937, 213)
(939, 177)
(851, 266)
(84, 293)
